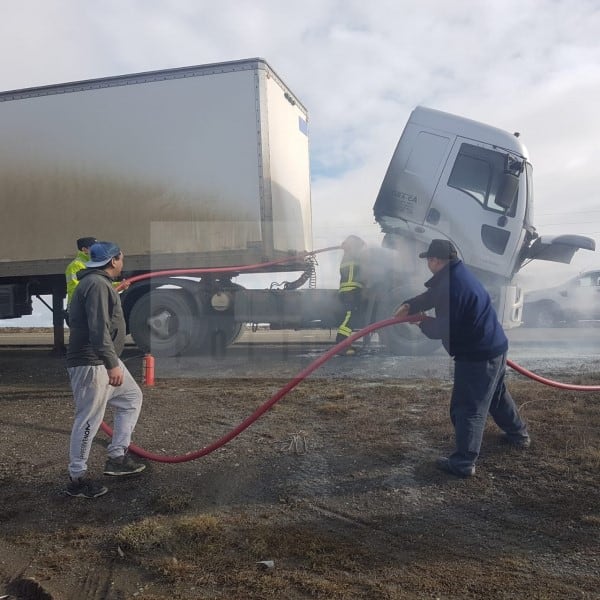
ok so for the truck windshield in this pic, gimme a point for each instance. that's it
(479, 172)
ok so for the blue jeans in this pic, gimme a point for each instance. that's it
(479, 390)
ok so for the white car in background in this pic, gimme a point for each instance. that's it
(578, 299)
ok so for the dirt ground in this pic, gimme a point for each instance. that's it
(336, 485)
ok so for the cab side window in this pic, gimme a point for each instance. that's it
(478, 172)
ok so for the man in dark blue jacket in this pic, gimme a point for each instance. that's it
(466, 323)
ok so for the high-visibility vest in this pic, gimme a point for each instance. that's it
(350, 276)
(76, 265)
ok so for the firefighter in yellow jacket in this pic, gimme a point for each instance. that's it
(350, 290)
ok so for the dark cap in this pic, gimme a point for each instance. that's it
(440, 249)
(101, 253)
(85, 242)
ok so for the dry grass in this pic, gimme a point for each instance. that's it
(169, 502)
(224, 550)
(360, 513)
(220, 551)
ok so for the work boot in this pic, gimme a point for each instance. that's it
(521, 442)
(84, 487)
(445, 465)
(347, 352)
(122, 465)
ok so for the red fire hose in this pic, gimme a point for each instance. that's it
(551, 382)
(240, 269)
(304, 373)
(272, 401)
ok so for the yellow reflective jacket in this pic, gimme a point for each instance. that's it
(71, 271)
(350, 279)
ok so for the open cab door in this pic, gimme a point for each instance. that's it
(558, 248)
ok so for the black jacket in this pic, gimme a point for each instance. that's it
(96, 322)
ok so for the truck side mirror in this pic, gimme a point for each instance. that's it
(507, 192)
(512, 165)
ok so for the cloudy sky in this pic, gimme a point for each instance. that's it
(359, 67)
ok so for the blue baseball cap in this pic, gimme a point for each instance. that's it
(101, 253)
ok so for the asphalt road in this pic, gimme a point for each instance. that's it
(568, 352)
(586, 335)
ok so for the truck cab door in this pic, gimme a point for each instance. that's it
(480, 204)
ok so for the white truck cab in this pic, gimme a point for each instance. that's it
(470, 183)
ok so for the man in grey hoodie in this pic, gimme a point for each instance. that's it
(98, 377)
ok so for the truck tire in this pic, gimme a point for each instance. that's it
(404, 339)
(217, 328)
(216, 331)
(164, 323)
(231, 329)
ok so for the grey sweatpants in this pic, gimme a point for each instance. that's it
(92, 393)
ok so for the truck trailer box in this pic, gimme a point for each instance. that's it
(207, 167)
(199, 166)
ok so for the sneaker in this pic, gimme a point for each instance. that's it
(122, 465)
(521, 442)
(444, 464)
(84, 487)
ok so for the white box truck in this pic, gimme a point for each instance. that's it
(208, 167)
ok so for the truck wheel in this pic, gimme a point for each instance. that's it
(404, 339)
(163, 322)
(230, 328)
(224, 326)
(217, 327)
